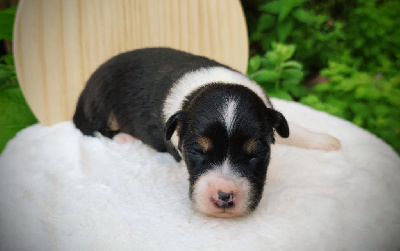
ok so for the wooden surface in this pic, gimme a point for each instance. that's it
(59, 43)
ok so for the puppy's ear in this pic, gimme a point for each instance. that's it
(171, 124)
(279, 122)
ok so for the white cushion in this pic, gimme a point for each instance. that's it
(61, 190)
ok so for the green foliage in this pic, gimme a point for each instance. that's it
(369, 101)
(7, 71)
(7, 17)
(276, 73)
(14, 112)
(373, 36)
(289, 21)
(354, 44)
(363, 33)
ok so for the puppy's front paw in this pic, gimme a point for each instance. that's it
(326, 142)
(123, 138)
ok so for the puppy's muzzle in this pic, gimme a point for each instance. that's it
(221, 195)
(224, 200)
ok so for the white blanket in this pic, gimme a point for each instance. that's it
(60, 190)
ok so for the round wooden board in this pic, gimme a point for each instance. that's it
(59, 43)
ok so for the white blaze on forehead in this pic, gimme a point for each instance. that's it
(229, 114)
(192, 81)
(225, 168)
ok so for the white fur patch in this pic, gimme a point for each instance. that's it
(225, 168)
(304, 138)
(175, 139)
(192, 81)
(229, 114)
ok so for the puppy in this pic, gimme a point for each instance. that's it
(216, 119)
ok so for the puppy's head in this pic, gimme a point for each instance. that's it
(223, 134)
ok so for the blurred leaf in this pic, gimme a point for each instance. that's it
(367, 93)
(361, 109)
(381, 110)
(313, 101)
(292, 64)
(340, 103)
(358, 120)
(292, 74)
(15, 114)
(267, 39)
(286, 7)
(268, 87)
(265, 22)
(7, 71)
(7, 59)
(382, 121)
(298, 90)
(290, 84)
(344, 84)
(7, 17)
(273, 7)
(302, 15)
(265, 76)
(254, 63)
(393, 97)
(359, 42)
(280, 94)
(324, 87)
(273, 58)
(265, 63)
(283, 30)
(286, 51)
(256, 36)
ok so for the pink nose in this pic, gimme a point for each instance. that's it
(224, 200)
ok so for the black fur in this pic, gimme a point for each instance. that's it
(253, 121)
(134, 85)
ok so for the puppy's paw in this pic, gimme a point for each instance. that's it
(123, 138)
(325, 142)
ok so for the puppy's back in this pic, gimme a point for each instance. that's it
(131, 87)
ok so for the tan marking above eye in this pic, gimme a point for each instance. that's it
(205, 143)
(112, 122)
(250, 146)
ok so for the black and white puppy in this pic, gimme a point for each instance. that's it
(216, 119)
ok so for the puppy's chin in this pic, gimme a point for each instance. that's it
(221, 195)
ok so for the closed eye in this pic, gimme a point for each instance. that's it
(260, 156)
(254, 161)
(196, 152)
